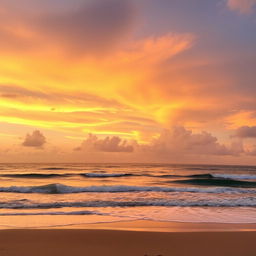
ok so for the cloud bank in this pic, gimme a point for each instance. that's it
(109, 144)
(171, 142)
(246, 132)
(180, 140)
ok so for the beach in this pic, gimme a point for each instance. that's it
(96, 242)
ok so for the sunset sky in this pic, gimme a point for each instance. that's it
(128, 81)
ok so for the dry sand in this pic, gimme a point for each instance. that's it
(76, 242)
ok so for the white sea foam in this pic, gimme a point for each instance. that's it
(211, 202)
(235, 176)
(63, 189)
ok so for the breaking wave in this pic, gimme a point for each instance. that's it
(63, 189)
(215, 175)
(216, 202)
(218, 182)
(235, 176)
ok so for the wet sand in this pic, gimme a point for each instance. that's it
(96, 242)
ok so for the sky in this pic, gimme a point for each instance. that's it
(166, 81)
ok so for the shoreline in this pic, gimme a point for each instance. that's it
(157, 226)
(148, 226)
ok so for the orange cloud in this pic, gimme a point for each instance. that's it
(242, 6)
(169, 145)
(102, 91)
(180, 140)
(246, 132)
(36, 140)
(108, 144)
(87, 69)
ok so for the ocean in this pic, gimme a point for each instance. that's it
(50, 195)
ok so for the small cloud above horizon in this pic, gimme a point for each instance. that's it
(36, 140)
(108, 144)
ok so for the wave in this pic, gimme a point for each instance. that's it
(57, 175)
(50, 213)
(202, 168)
(35, 175)
(218, 182)
(235, 176)
(207, 175)
(196, 168)
(53, 168)
(212, 176)
(117, 175)
(63, 189)
(105, 175)
(213, 202)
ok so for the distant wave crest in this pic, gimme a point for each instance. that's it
(35, 175)
(105, 175)
(50, 213)
(63, 175)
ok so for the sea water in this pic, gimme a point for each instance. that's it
(48, 195)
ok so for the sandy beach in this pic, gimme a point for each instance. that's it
(96, 242)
